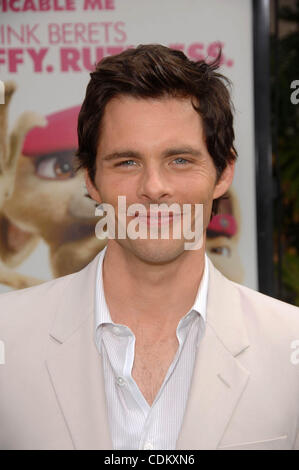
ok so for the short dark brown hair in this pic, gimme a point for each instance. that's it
(156, 71)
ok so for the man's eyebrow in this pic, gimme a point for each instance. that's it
(166, 153)
(182, 151)
(124, 154)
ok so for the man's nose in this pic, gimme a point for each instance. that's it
(154, 185)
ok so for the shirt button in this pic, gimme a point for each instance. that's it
(116, 330)
(148, 446)
(120, 381)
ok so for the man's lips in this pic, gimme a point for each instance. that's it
(157, 214)
(157, 217)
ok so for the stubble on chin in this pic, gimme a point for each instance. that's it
(154, 251)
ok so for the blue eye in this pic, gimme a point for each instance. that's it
(182, 161)
(124, 163)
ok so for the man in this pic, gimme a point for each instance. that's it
(149, 346)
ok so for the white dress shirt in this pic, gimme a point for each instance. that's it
(134, 424)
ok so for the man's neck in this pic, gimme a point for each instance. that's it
(155, 297)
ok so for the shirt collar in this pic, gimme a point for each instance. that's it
(102, 314)
(200, 303)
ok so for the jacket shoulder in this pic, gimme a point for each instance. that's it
(282, 318)
(34, 310)
(266, 300)
(29, 304)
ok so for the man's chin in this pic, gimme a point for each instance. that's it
(154, 251)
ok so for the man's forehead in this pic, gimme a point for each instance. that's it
(139, 125)
(132, 114)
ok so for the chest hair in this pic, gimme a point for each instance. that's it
(151, 363)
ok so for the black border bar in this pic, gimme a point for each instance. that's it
(263, 152)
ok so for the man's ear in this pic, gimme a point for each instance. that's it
(92, 190)
(225, 180)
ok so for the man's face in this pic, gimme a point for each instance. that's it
(153, 151)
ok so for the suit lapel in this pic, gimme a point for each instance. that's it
(219, 379)
(75, 366)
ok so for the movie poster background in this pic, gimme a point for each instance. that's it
(47, 225)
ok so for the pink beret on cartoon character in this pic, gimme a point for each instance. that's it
(59, 134)
(223, 224)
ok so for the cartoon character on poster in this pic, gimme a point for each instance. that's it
(223, 236)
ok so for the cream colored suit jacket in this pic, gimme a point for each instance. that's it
(244, 391)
